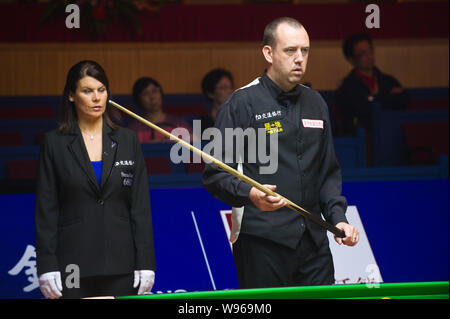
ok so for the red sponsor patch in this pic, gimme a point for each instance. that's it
(312, 123)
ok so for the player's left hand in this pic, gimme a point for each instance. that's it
(351, 234)
(145, 280)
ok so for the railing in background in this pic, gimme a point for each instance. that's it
(389, 146)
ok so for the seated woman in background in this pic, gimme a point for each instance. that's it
(147, 95)
(217, 85)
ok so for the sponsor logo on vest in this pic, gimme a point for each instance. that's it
(312, 123)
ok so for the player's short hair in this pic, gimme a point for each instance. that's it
(269, 37)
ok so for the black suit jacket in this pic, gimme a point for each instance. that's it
(105, 229)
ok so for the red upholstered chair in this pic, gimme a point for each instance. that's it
(426, 141)
(21, 169)
(158, 165)
(11, 139)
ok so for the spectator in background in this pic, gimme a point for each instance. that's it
(147, 95)
(217, 85)
(365, 85)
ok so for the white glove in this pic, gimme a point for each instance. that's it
(51, 285)
(146, 278)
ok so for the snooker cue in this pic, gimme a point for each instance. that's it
(293, 206)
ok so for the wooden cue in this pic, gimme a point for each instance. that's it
(296, 208)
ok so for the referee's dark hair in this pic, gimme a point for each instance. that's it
(140, 85)
(351, 41)
(68, 116)
(211, 79)
(269, 37)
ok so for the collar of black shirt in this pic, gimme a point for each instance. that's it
(277, 93)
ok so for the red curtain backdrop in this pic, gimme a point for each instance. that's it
(205, 23)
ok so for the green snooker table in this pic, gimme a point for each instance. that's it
(415, 290)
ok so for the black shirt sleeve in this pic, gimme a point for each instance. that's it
(219, 183)
(140, 212)
(46, 210)
(333, 204)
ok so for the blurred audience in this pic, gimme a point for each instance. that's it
(217, 85)
(365, 85)
(148, 96)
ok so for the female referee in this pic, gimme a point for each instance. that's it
(94, 233)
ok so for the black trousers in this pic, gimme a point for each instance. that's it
(262, 263)
(115, 285)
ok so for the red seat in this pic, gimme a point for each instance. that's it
(158, 165)
(195, 167)
(426, 141)
(336, 114)
(428, 104)
(11, 139)
(40, 136)
(26, 112)
(21, 169)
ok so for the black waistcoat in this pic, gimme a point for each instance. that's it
(299, 154)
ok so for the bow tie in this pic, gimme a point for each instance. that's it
(292, 95)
